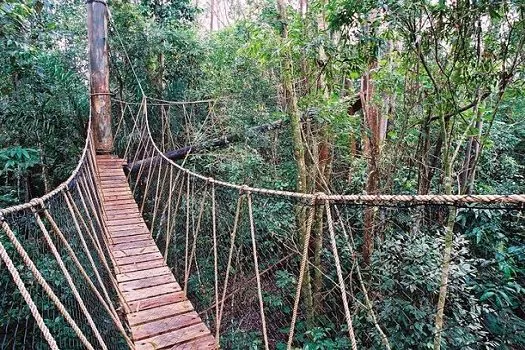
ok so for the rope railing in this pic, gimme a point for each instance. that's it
(278, 266)
(46, 197)
(379, 199)
(63, 277)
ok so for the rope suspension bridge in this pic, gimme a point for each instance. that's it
(135, 250)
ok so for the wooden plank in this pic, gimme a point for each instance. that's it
(157, 313)
(147, 282)
(164, 299)
(117, 189)
(127, 205)
(107, 182)
(123, 205)
(117, 197)
(141, 266)
(130, 233)
(122, 214)
(173, 337)
(202, 343)
(129, 239)
(128, 227)
(132, 245)
(145, 293)
(116, 202)
(134, 251)
(116, 210)
(172, 323)
(138, 258)
(130, 276)
(122, 189)
(161, 316)
(125, 221)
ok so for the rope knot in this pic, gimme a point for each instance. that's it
(35, 203)
(244, 190)
(2, 219)
(317, 197)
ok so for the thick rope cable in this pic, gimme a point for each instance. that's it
(107, 304)
(195, 237)
(340, 277)
(169, 218)
(215, 262)
(56, 191)
(94, 213)
(158, 198)
(47, 288)
(92, 233)
(228, 265)
(96, 243)
(256, 263)
(187, 241)
(455, 200)
(72, 213)
(173, 215)
(69, 280)
(27, 297)
(73, 256)
(302, 270)
(151, 170)
(368, 303)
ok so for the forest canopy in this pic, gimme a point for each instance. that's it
(333, 96)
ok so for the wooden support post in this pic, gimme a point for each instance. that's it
(99, 76)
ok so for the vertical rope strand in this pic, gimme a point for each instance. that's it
(47, 288)
(339, 271)
(186, 248)
(195, 236)
(215, 262)
(27, 297)
(69, 280)
(173, 217)
(107, 305)
(302, 270)
(257, 274)
(228, 265)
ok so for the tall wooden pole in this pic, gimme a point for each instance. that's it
(99, 76)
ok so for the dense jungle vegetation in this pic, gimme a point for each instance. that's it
(375, 97)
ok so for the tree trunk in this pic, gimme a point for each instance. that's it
(373, 136)
(449, 235)
(292, 110)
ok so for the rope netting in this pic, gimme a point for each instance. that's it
(57, 288)
(278, 269)
(264, 268)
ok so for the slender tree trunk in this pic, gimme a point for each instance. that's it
(449, 236)
(298, 149)
(475, 158)
(375, 132)
(45, 177)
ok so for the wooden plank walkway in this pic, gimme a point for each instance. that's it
(160, 316)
